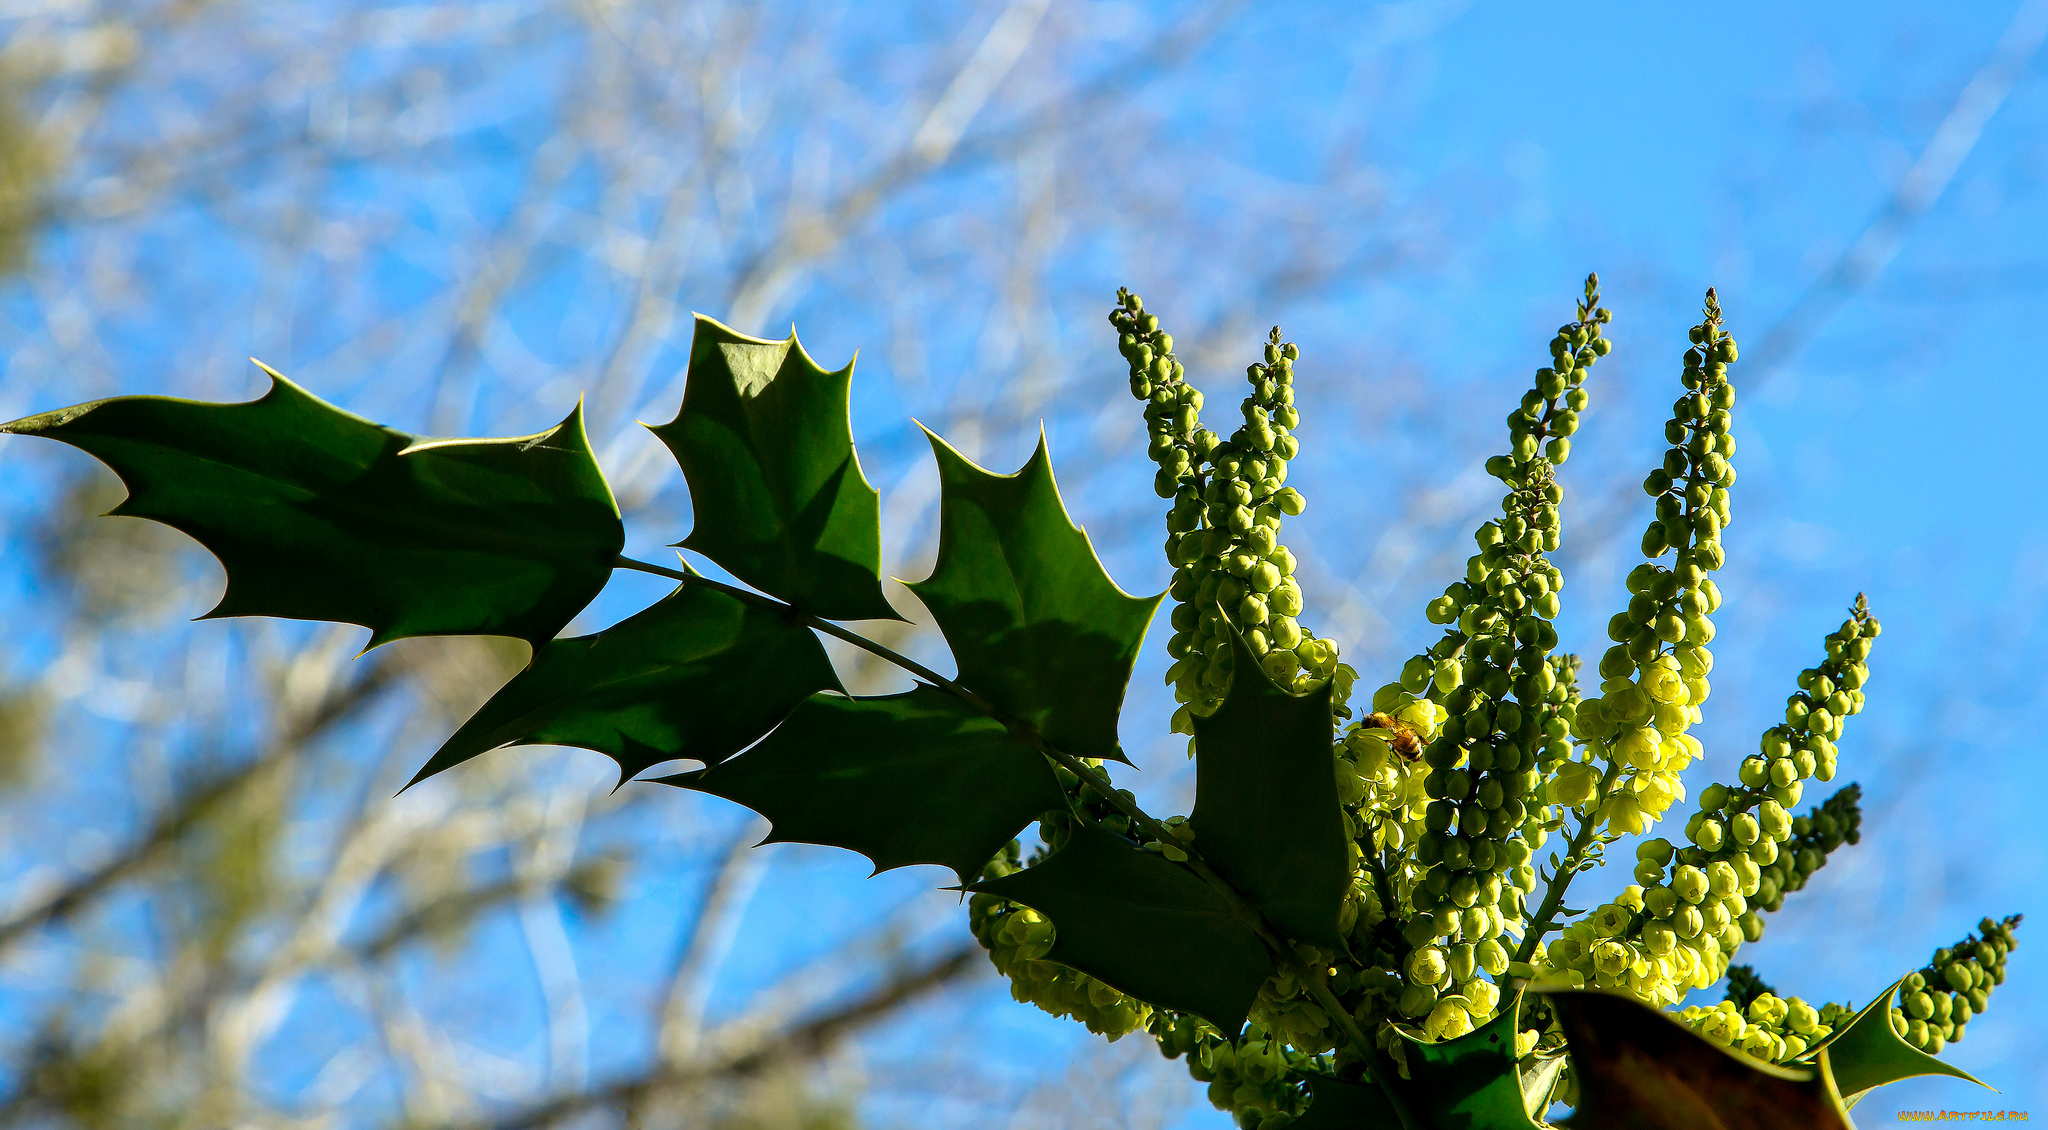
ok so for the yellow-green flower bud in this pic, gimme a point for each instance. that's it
(1612, 958)
(1417, 1000)
(1426, 966)
(1722, 880)
(1707, 834)
(1690, 883)
(1659, 939)
(1462, 962)
(1492, 956)
(1449, 1019)
(1745, 828)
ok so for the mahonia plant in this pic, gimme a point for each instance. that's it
(1353, 927)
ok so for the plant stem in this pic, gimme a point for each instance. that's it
(1095, 777)
(1553, 896)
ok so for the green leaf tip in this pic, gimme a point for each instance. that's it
(1267, 815)
(1638, 1067)
(1033, 619)
(916, 777)
(1868, 1053)
(319, 514)
(1147, 927)
(765, 439)
(699, 675)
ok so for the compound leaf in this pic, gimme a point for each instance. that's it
(916, 777)
(317, 514)
(698, 675)
(1035, 623)
(1266, 816)
(1147, 927)
(1335, 1104)
(1472, 1082)
(1638, 1068)
(766, 444)
(1868, 1053)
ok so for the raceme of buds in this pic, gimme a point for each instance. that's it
(1228, 499)
(1654, 680)
(1257, 1077)
(1655, 675)
(1824, 828)
(1936, 1001)
(1746, 851)
(1493, 670)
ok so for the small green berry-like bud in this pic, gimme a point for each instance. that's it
(1690, 883)
(1707, 834)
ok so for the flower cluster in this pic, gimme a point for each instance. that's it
(1771, 1028)
(1482, 748)
(1691, 910)
(1814, 837)
(1503, 699)
(1223, 530)
(1257, 1076)
(1937, 1001)
(1655, 675)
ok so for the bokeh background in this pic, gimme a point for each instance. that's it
(455, 217)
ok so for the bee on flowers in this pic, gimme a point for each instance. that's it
(1404, 740)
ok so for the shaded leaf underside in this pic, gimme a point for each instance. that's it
(317, 514)
(1147, 927)
(1035, 623)
(764, 439)
(917, 777)
(1639, 1068)
(698, 675)
(1335, 1104)
(1267, 816)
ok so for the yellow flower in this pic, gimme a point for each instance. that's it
(1574, 784)
(1625, 814)
(1637, 746)
(1664, 684)
(1449, 1019)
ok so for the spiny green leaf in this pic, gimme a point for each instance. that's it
(321, 515)
(1335, 1104)
(916, 777)
(1147, 927)
(1266, 816)
(1035, 623)
(699, 675)
(767, 446)
(1867, 1053)
(1639, 1069)
(1472, 1082)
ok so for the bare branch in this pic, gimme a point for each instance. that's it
(806, 1040)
